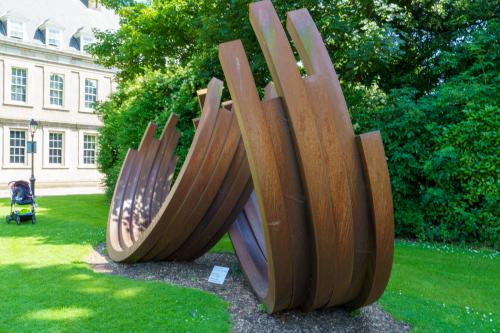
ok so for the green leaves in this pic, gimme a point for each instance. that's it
(149, 98)
(443, 146)
(423, 72)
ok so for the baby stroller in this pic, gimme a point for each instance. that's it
(21, 195)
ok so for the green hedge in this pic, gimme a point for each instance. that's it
(443, 147)
(426, 74)
(150, 98)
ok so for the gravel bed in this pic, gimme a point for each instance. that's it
(247, 314)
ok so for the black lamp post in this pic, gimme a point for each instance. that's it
(33, 128)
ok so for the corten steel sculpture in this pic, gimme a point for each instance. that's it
(345, 200)
(318, 229)
(149, 220)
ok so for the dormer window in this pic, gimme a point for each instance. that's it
(53, 32)
(85, 41)
(15, 29)
(15, 24)
(83, 37)
(54, 36)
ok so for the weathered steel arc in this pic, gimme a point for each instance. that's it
(317, 231)
(149, 219)
(351, 250)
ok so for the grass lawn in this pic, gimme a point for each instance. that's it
(437, 288)
(46, 286)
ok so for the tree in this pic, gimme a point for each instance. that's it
(417, 70)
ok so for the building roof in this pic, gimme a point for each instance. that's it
(73, 17)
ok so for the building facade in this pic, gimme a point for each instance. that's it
(46, 75)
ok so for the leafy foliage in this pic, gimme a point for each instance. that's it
(423, 72)
(152, 97)
(443, 146)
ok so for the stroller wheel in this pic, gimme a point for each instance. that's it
(33, 219)
(7, 219)
(19, 220)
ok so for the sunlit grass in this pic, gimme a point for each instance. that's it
(46, 286)
(58, 314)
(440, 288)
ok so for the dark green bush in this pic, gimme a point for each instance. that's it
(150, 98)
(443, 146)
(425, 73)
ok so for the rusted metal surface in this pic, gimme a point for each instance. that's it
(152, 220)
(272, 165)
(345, 225)
(306, 202)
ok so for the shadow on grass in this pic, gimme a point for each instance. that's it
(45, 287)
(62, 220)
(72, 298)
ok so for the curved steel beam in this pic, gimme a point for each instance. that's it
(306, 202)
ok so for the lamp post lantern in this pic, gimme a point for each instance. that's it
(32, 149)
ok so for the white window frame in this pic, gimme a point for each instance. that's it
(8, 64)
(54, 100)
(6, 147)
(55, 34)
(84, 43)
(103, 89)
(16, 33)
(92, 157)
(14, 77)
(81, 148)
(87, 102)
(24, 156)
(61, 148)
(66, 139)
(67, 99)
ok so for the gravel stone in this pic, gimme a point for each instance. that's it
(246, 312)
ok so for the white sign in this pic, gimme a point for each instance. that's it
(218, 275)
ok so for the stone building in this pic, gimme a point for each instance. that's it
(46, 75)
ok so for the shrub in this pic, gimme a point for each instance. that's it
(149, 98)
(425, 73)
(443, 146)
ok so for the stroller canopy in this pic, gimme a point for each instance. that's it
(21, 192)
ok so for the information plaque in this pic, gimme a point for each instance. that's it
(218, 275)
